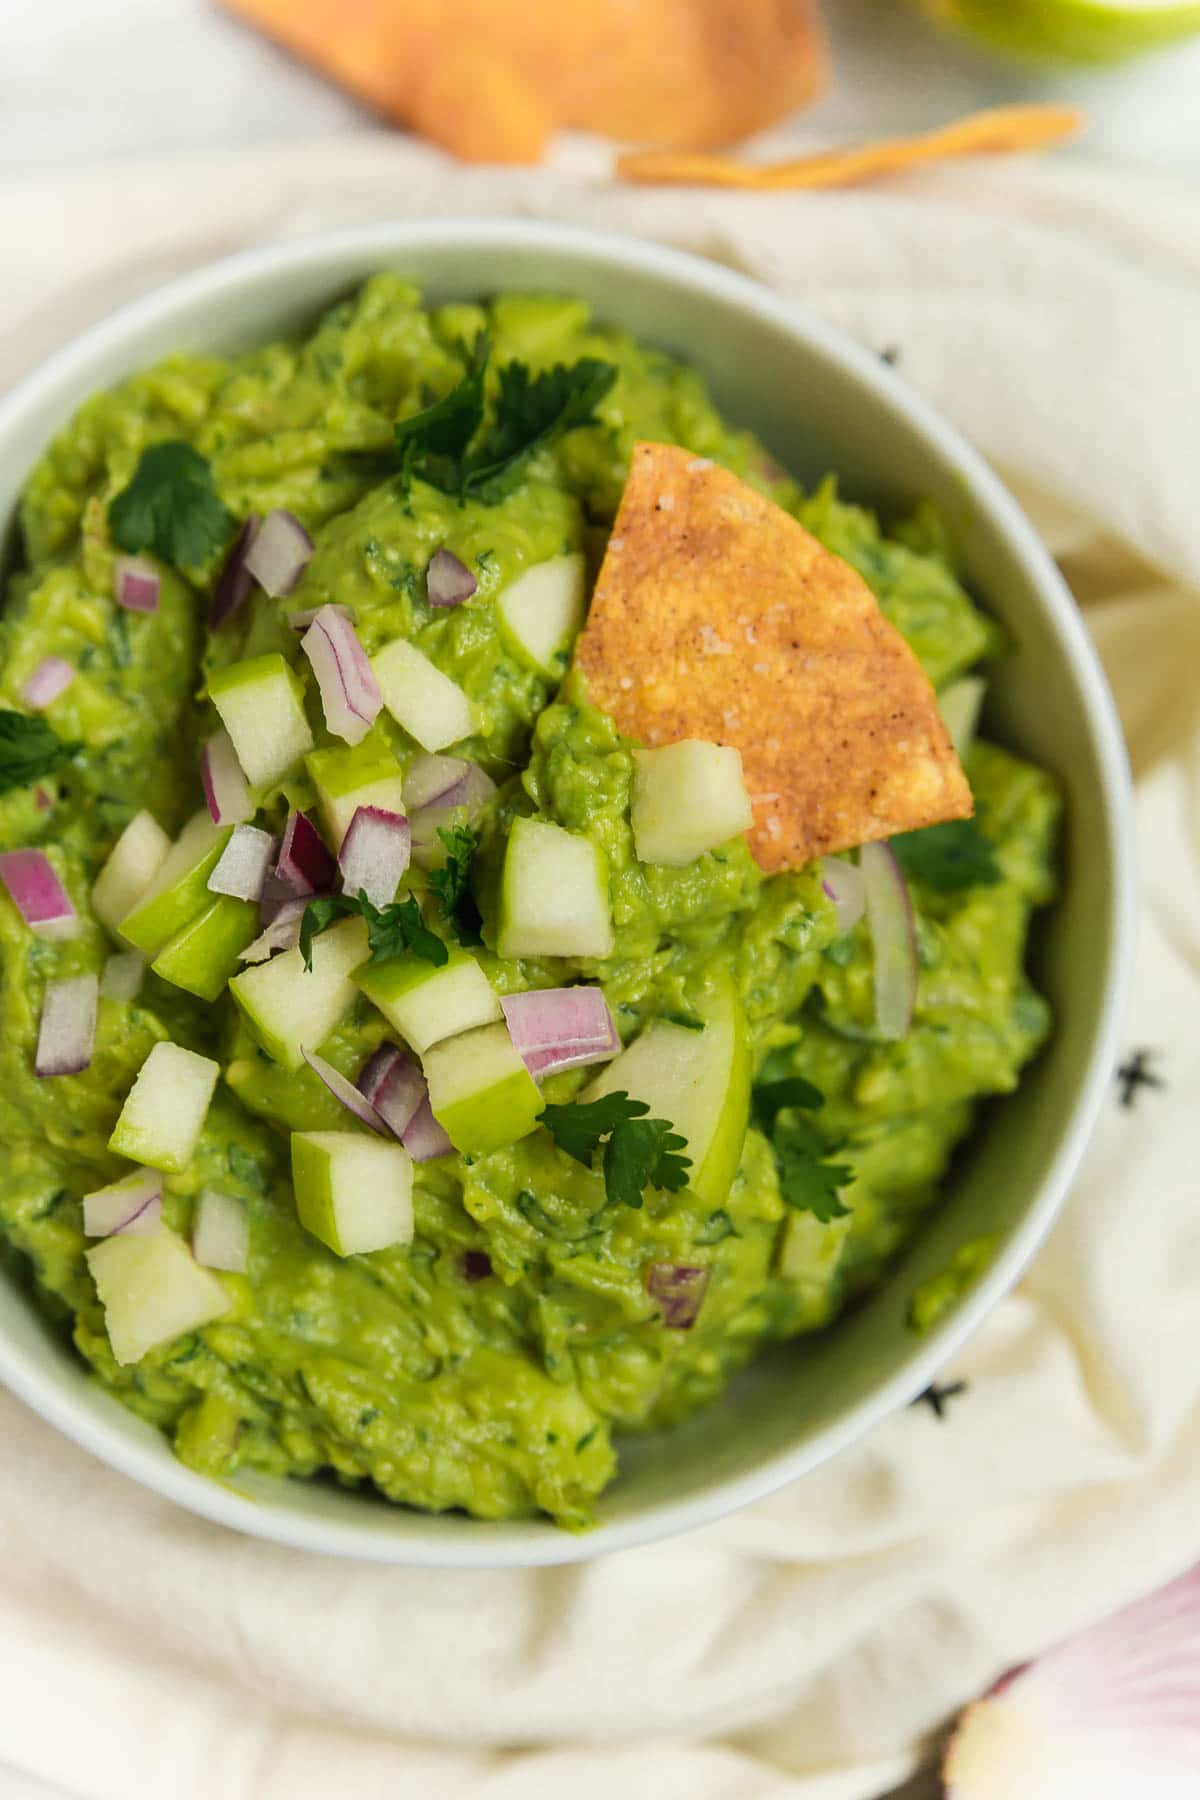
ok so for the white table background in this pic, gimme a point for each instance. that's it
(85, 81)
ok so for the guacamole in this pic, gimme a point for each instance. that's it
(492, 1361)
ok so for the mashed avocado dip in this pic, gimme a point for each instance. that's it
(541, 1305)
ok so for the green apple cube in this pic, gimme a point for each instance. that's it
(164, 1111)
(553, 894)
(152, 1291)
(135, 860)
(352, 1192)
(366, 775)
(960, 706)
(425, 1004)
(261, 703)
(700, 1082)
(202, 957)
(543, 610)
(180, 888)
(292, 1009)
(481, 1093)
(432, 708)
(687, 798)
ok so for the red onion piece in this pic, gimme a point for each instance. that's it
(38, 894)
(52, 677)
(679, 1290)
(300, 621)
(468, 795)
(304, 865)
(393, 1084)
(225, 787)
(345, 1092)
(448, 581)
(221, 1232)
(132, 1206)
(123, 976)
(43, 799)
(279, 553)
(242, 866)
(424, 1138)
(67, 1032)
(476, 1265)
(843, 883)
(350, 693)
(894, 936)
(235, 580)
(281, 932)
(429, 777)
(374, 854)
(560, 1028)
(136, 584)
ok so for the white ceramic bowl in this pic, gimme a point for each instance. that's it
(820, 403)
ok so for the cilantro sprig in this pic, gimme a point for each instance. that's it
(392, 930)
(808, 1181)
(947, 857)
(171, 506)
(451, 883)
(640, 1152)
(29, 749)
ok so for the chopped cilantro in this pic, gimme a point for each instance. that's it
(770, 1098)
(432, 443)
(949, 856)
(451, 884)
(716, 1228)
(171, 506)
(391, 930)
(29, 750)
(687, 1020)
(245, 1168)
(639, 1152)
(807, 1181)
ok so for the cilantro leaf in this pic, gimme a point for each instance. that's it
(949, 856)
(451, 884)
(320, 913)
(433, 443)
(806, 1180)
(171, 506)
(532, 411)
(640, 1152)
(770, 1098)
(391, 930)
(29, 750)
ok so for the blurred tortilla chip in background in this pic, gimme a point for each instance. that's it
(492, 80)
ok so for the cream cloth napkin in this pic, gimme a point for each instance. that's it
(804, 1648)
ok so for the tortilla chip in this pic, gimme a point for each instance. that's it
(1005, 129)
(717, 616)
(492, 79)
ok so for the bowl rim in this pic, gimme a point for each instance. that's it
(497, 1544)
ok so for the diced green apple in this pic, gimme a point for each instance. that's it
(700, 1082)
(687, 798)
(960, 705)
(202, 957)
(352, 1192)
(164, 1111)
(152, 1290)
(261, 703)
(291, 1008)
(553, 894)
(480, 1091)
(135, 860)
(432, 708)
(427, 1004)
(543, 610)
(180, 888)
(367, 775)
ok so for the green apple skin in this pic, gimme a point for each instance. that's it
(425, 1004)
(261, 703)
(164, 1111)
(202, 957)
(345, 779)
(700, 1082)
(353, 1193)
(292, 1009)
(553, 894)
(481, 1093)
(1069, 30)
(134, 862)
(180, 889)
(152, 1291)
(541, 613)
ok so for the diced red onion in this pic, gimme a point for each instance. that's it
(38, 894)
(393, 1084)
(345, 1092)
(560, 1028)
(473, 790)
(350, 693)
(235, 580)
(679, 1290)
(67, 1032)
(843, 883)
(221, 1232)
(242, 866)
(43, 799)
(123, 976)
(300, 621)
(281, 932)
(476, 1265)
(52, 677)
(423, 1137)
(279, 553)
(130, 1207)
(374, 854)
(429, 777)
(304, 864)
(225, 787)
(136, 584)
(448, 581)
(894, 936)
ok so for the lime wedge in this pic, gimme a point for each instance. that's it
(1077, 30)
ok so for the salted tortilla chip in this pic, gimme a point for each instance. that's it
(1000, 131)
(717, 616)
